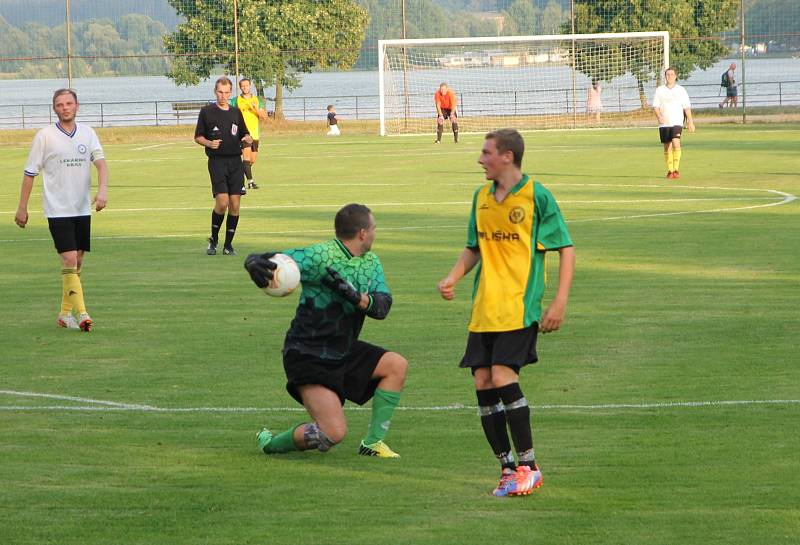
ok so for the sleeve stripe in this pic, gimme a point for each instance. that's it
(29, 173)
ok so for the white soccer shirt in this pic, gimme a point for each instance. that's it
(65, 162)
(671, 102)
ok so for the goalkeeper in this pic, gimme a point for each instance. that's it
(324, 361)
(446, 108)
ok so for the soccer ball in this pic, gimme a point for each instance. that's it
(286, 276)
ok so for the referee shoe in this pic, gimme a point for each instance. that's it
(212, 247)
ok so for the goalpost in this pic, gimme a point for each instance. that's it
(524, 82)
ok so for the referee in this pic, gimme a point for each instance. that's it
(221, 130)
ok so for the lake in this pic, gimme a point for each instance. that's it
(148, 100)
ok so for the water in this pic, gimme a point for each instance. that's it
(149, 100)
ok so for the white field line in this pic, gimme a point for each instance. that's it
(98, 405)
(786, 198)
(153, 146)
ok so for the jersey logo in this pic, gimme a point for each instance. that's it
(483, 206)
(234, 129)
(517, 214)
(81, 148)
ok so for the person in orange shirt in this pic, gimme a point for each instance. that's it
(445, 100)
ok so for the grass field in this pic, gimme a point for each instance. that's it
(665, 411)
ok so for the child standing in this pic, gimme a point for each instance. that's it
(333, 123)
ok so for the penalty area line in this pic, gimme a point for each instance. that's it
(95, 405)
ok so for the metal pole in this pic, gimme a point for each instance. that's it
(741, 48)
(407, 107)
(236, 40)
(574, 91)
(69, 47)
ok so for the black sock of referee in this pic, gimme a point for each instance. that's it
(216, 223)
(248, 170)
(230, 229)
(518, 416)
(493, 420)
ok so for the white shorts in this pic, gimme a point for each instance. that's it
(333, 130)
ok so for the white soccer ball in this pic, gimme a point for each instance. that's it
(286, 276)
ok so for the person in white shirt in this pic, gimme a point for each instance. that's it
(731, 91)
(62, 153)
(671, 105)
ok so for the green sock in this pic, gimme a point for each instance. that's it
(283, 442)
(383, 405)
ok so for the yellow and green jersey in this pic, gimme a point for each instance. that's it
(512, 237)
(249, 108)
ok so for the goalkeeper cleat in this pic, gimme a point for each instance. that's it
(85, 322)
(67, 321)
(252, 185)
(379, 449)
(507, 485)
(264, 437)
(676, 175)
(228, 250)
(527, 480)
(670, 175)
(212, 247)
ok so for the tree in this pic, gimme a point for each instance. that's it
(522, 16)
(690, 20)
(278, 40)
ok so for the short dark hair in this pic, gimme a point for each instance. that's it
(60, 92)
(224, 80)
(243, 79)
(509, 140)
(350, 220)
(671, 68)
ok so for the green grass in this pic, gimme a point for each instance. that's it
(678, 297)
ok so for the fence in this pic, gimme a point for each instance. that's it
(775, 95)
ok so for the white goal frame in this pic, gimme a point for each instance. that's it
(382, 45)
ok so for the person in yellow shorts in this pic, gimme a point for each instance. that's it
(252, 108)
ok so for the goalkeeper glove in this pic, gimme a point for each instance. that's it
(342, 286)
(260, 268)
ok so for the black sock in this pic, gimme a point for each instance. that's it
(216, 223)
(439, 132)
(518, 416)
(493, 420)
(455, 132)
(248, 170)
(230, 229)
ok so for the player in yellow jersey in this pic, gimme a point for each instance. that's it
(514, 222)
(252, 108)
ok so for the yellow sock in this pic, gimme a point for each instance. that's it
(676, 159)
(66, 302)
(72, 290)
(668, 159)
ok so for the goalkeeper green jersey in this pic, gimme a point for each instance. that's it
(512, 237)
(325, 324)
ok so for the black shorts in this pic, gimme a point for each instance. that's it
(227, 174)
(446, 113)
(253, 147)
(350, 377)
(70, 234)
(667, 134)
(513, 349)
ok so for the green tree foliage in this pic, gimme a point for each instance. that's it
(694, 21)
(129, 46)
(521, 18)
(278, 40)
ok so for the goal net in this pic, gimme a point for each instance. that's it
(524, 82)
